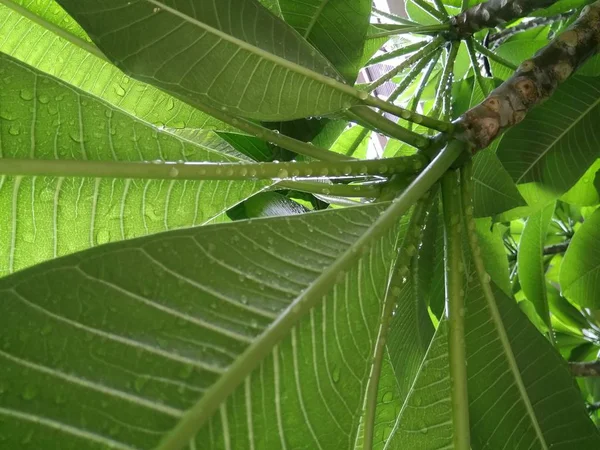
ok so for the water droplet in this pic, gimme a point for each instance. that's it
(254, 323)
(139, 383)
(363, 95)
(119, 91)
(102, 237)
(46, 330)
(173, 172)
(282, 173)
(44, 99)
(335, 374)
(347, 170)
(244, 299)
(396, 291)
(26, 94)
(388, 397)
(14, 130)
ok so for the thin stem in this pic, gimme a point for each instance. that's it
(424, 52)
(395, 53)
(501, 36)
(390, 128)
(410, 76)
(488, 294)
(464, 4)
(476, 68)
(161, 170)
(490, 54)
(196, 416)
(336, 190)
(393, 292)
(423, 83)
(585, 369)
(431, 10)
(394, 17)
(411, 116)
(73, 39)
(553, 249)
(419, 29)
(445, 86)
(455, 309)
(442, 9)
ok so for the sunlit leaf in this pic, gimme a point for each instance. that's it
(45, 217)
(580, 270)
(232, 54)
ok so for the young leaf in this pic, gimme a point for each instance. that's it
(557, 141)
(530, 260)
(233, 55)
(580, 269)
(44, 118)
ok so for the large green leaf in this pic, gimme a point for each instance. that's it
(336, 27)
(530, 260)
(559, 140)
(233, 54)
(580, 269)
(424, 421)
(35, 43)
(112, 356)
(495, 191)
(521, 393)
(44, 217)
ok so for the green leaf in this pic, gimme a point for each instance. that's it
(337, 28)
(585, 192)
(591, 68)
(271, 204)
(65, 58)
(530, 260)
(353, 142)
(494, 253)
(517, 49)
(521, 393)
(245, 60)
(424, 421)
(558, 141)
(580, 270)
(125, 352)
(44, 118)
(495, 191)
(255, 148)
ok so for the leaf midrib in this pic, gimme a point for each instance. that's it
(558, 138)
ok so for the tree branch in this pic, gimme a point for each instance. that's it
(499, 37)
(561, 247)
(494, 13)
(585, 369)
(534, 81)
